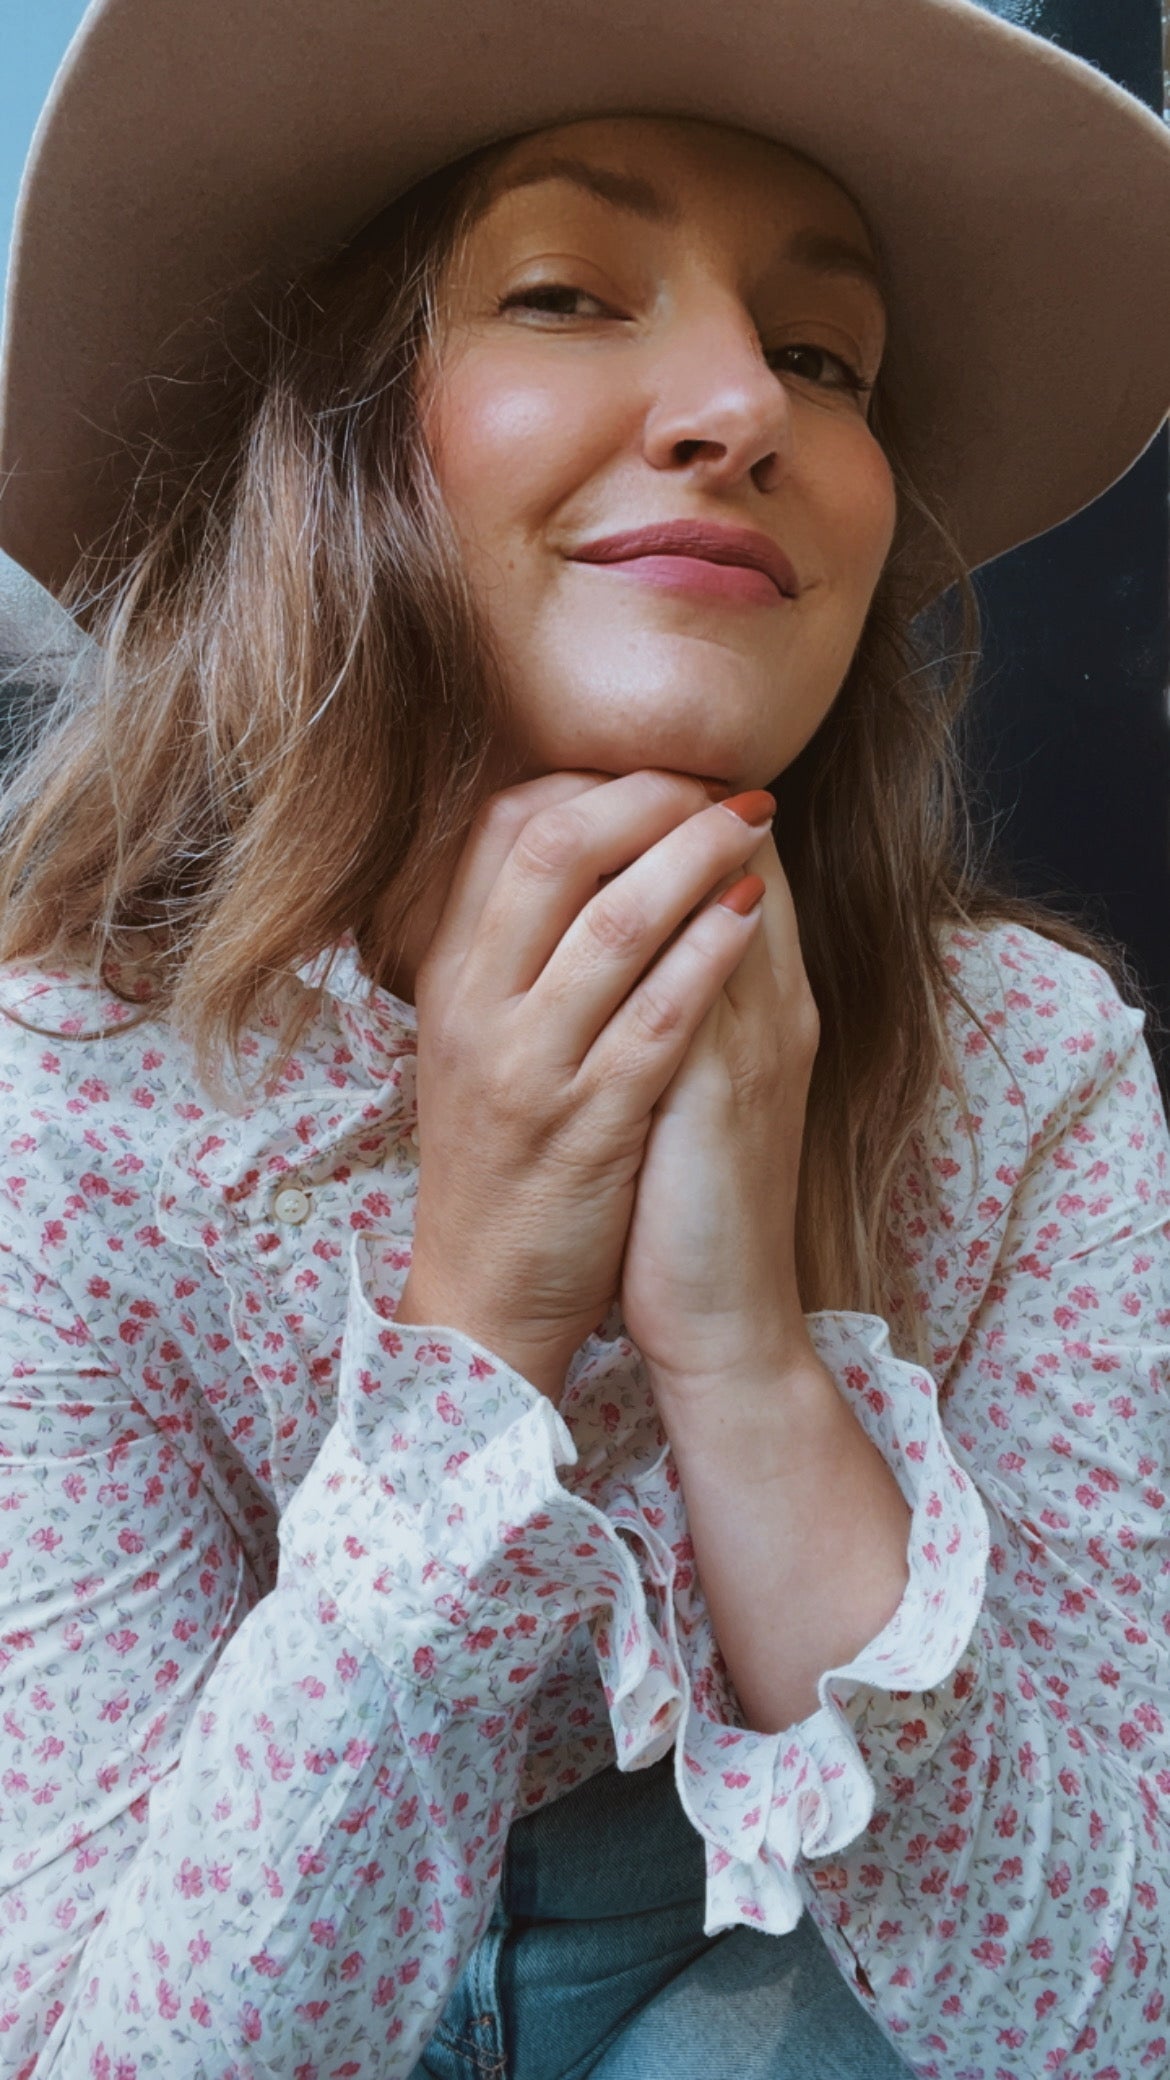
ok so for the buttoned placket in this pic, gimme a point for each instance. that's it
(234, 1188)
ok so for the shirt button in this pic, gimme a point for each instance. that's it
(414, 1136)
(292, 1204)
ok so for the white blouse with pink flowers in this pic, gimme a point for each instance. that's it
(301, 1608)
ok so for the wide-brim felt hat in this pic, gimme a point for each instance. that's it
(192, 151)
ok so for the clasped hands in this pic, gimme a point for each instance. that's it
(612, 1080)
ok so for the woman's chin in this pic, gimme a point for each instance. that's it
(625, 726)
(664, 750)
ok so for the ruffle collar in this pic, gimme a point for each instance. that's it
(379, 1027)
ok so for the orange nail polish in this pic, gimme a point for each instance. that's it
(757, 806)
(743, 895)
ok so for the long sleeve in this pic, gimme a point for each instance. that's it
(1023, 1845)
(978, 1813)
(256, 1835)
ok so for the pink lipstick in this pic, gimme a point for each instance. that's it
(698, 556)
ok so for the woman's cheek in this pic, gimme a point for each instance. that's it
(856, 504)
(874, 506)
(503, 445)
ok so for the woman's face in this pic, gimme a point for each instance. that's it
(658, 324)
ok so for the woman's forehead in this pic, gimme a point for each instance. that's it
(673, 171)
(640, 161)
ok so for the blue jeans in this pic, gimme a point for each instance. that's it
(595, 1962)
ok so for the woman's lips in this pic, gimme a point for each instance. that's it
(697, 575)
(706, 557)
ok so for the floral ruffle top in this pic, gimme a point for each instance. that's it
(301, 1608)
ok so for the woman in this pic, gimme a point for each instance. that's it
(750, 1369)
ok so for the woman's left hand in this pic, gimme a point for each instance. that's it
(709, 1287)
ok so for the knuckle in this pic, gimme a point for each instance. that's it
(655, 1013)
(550, 842)
(514, 1088)
(502, 1101)
(616, 927)
(504, 812)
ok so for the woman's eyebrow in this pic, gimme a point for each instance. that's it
(621, 190)
(822, 252)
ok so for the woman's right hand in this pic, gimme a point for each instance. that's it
(554, 1006)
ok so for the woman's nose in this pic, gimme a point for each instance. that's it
(718, 411)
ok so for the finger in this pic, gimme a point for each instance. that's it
(771, 981)
(625, 927)
(486, 848)
(557, 864)
(642, 1046)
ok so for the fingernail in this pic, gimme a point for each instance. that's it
(743, 895)
(757, 806)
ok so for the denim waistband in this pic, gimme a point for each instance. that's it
(617, 1844)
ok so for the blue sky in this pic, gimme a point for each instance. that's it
(33, 37)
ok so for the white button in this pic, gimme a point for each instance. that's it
(292, 1204)
(414, 1135)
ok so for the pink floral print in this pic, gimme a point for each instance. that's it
(302, 1607)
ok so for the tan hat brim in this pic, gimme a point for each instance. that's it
(1020, 202)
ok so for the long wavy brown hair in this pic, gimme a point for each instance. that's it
(290, 712)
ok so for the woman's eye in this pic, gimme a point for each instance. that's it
(818, 365)
(555, 300)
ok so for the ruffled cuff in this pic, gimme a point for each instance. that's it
(434, 1521)
(764, 1801)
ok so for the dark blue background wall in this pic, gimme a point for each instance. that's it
(1070, 735)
